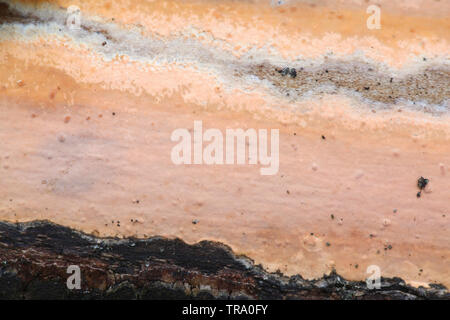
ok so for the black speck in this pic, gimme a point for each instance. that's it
(104, 43)
(422, 183)
(293, 73)
(366, 88)
(323, 137)
(284, 71)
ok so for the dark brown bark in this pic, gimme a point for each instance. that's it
(34, 258)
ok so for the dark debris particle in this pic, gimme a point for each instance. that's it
(422, 183)
(332, 216)
(366, 88)
(195, 221)
(418, 194)
(284, 71)
(328, 244)
(293, 73)
(104, 43)
(287, 71)
(323, 137)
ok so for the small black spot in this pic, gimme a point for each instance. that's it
(104, 43)
(284, 71)
(328, 244)
(332, 216)
(113, 113)
(288, 192)
(422, 183)
(418, 194)
(366, 88)
(293, 73)
(323, 137)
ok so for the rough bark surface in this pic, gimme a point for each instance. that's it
(34, 258)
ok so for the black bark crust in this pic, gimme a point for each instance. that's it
(34, 258)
